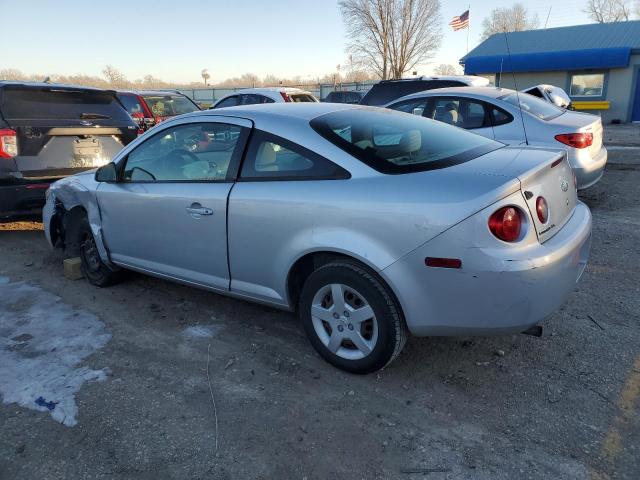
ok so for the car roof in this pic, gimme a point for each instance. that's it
(268, 89)
(151, 92)
(490, 92)
(57, 86)
(302, 110)
(469, 79)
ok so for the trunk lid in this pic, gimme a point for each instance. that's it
(577, 122)
(541, 172)
(554, 181)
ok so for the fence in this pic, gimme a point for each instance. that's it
(207, 96)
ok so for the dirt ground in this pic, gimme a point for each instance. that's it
(564, 406)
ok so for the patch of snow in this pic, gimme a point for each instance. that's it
(201, 331)
(42, 342)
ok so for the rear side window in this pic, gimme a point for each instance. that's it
(270, 157)
(394, 143)
(61, 104)
(302, 97)
(169, 105)
(385, 92)
(535, 106)
(500, 117)
(131, 103)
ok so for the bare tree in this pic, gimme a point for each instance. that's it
(607, 11)
(391, 37)
(12, 74)
(445, 69)
(115, 77)
(505, 19)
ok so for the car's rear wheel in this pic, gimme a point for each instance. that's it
(93, 268)
(351, 318)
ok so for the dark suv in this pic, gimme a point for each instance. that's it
(50, 131)
(387, 90)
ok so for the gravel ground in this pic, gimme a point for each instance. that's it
(561, 406)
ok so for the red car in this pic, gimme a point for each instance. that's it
(149, 108)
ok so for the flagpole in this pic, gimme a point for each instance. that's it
(468, 27)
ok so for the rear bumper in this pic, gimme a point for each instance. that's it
(22, 199)
(494, 292)
(589, 170)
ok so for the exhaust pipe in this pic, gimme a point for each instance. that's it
(535, 331)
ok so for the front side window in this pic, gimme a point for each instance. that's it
(231, 101)
(252, 99)
(587, 85)
(533, 105)
(169, 105)
(393, 142)
(272, 157)
(191, 152)
(460, 112)
(416, 106)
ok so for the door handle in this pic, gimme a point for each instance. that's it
(196, 210)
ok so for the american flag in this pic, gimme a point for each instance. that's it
(458, 23)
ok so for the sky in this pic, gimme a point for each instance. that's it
(174, 40)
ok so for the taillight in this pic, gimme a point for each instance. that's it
(542, 209)
(8, 143)
(506, 224)
(576, 140)
(285, 97)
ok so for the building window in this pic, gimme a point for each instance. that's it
(587, 85)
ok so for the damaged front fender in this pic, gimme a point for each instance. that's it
(69, 202)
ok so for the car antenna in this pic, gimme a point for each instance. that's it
(515, 84)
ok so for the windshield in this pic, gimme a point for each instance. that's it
(393, 142)
(169, 105)
(535, 106)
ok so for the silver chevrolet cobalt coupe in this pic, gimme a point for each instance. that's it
(371, 224)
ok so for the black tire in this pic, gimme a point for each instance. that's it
(92, 266)
(392, 331)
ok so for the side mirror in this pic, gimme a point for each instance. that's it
(107, 173)
(418, 111)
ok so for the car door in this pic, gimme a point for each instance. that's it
(167, 213)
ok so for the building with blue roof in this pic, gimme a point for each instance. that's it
(597, 64)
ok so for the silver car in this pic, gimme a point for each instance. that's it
(517, 118)
(371, 224)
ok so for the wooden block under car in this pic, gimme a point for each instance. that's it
(72, 269)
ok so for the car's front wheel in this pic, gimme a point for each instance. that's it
(351, 317)
(93, 268)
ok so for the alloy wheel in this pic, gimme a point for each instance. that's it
(344, 321)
